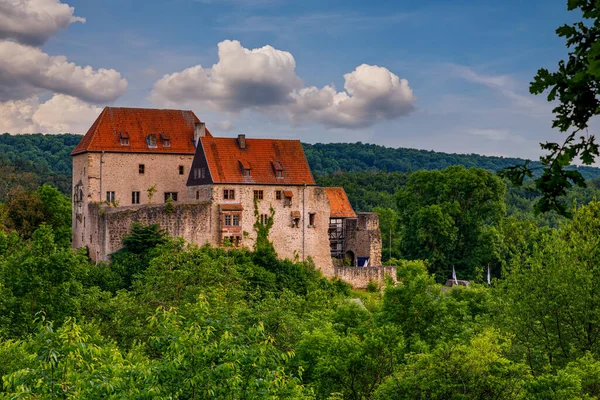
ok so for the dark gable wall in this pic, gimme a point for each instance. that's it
(199, 162)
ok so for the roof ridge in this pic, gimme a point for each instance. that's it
(253, 139)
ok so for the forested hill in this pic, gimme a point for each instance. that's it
(52, 153)
(325, 159)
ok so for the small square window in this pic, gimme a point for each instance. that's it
(135, 197)
(229, 194)
(246, 172)
(258, 194)
(166, 143)
(124, 141)
(278, 195)
(280, 174)
(141, 169)
(171, 195)
(181, 170)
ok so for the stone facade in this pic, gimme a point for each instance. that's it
(108, 225)
(120, 174)
(363, 238)
(296, 240)
(359, 277)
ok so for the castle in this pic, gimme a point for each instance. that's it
(165, 167)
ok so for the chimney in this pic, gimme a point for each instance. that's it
(242, 141)
(199, 131)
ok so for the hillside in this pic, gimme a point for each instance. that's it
(330, 158)
(51, 152)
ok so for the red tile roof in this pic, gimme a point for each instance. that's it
(136, 124)
(339, 204)
(225, 158)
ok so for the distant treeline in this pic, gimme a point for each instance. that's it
(331, 158)
(53, 152)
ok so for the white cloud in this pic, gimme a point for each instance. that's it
(25, 71)
(265, 80)
(372, 94)
(59, 114)
(241, 79)
(33, 22)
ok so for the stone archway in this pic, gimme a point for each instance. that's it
(349, 259)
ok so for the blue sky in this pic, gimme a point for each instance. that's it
(467, 63)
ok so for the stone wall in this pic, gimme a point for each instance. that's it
(287, 239)
(120, 174)
(192, 222)
(363, 237)
(359, 277)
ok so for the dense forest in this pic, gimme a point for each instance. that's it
(52, 152)
(166, 319)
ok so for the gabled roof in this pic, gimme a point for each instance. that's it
(225, 160)
(135, 124)
(339, 204)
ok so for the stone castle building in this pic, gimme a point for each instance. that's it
(132, 161)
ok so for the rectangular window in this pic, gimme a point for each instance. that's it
(124, 141)
(264, 219)
(228, 220)
(166, 143)
(141, 169)
(110, 197)
(280, 174)
(311, 219)
(199, 173)
(171, 195)
(229, 194)
(278, 195)
(246, 172)
(197, 195)
(236, 220)
(181, 170)
(258, 194)
(135, 197)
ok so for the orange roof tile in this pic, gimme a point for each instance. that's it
(224, 158)
(339, 204)
(115, 123)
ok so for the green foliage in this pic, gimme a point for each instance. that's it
(335, 158)
(446, 214)
(478, 369)
(551, 298)
(575, 87)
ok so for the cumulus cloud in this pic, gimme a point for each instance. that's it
(241, 79)
(26, 70)
(33, 22)
(372, 93)
(60, 114)
(265, 79)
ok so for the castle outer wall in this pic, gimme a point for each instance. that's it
(120, 173)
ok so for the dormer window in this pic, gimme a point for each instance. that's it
(165, 139)
(246, 168)
(278, 168)
(124, 138)
(151, 141)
